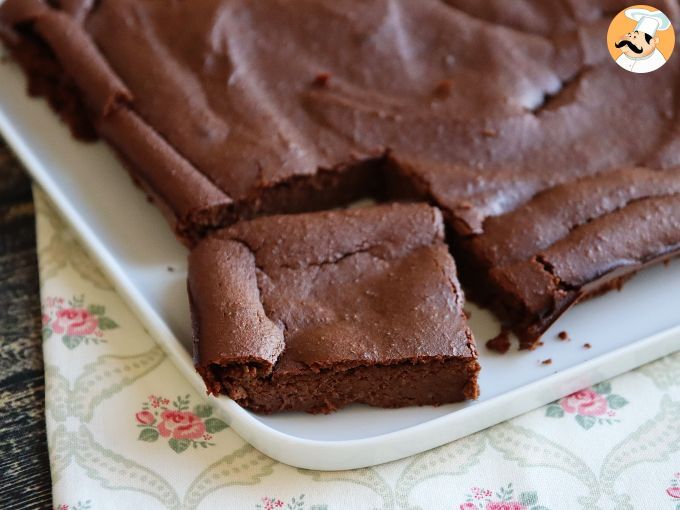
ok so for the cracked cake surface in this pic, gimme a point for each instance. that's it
(365, 302)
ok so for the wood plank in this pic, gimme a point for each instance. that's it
(24, 465)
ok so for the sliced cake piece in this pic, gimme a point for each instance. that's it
(315, 311)
(570, 242)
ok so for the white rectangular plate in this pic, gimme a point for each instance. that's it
(134, 246)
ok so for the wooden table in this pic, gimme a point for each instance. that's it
(24, 464)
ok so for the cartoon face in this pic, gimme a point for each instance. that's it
(637, 44)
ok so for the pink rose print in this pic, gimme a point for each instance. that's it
(590, 406)
(145, 417)
(74, 322)
(80, 505)
(158, 402)
(479, 493)
(503, 499)
(585, 402)
(674, 492)
(182, 427)
(298, 503)
(505, 505)
(270, 503)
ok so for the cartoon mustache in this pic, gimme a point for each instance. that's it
(626, 42)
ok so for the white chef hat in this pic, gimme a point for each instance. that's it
(648, 22)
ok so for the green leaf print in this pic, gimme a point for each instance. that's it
(528, 498)
(96, 309)
(554, 411)
(616, 401)
(296, 504)
(182, 403)
(149, 435)
(179, 445)
(586, 421)
(106, 323)
(203, 411)
(604, 388)
(71, 341)
(213, 425)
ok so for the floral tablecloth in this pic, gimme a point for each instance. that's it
(125, 430)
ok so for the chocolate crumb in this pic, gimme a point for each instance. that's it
(563, 335)
(443, 88)
(587, 346)
(490, 133)
(539, 343)
(322, 79)
(546, 361)
(500, 343)
(467, 313)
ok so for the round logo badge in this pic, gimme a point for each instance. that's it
(640, 39)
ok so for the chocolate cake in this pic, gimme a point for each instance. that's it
(315, 311)
(570, 241)
(224, 110)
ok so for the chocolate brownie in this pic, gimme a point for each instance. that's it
(204, 95)
(571, 241)
(228, 109)
(315, 311)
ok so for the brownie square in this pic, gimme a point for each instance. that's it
(315, 311)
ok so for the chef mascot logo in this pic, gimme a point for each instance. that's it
(640, 39)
